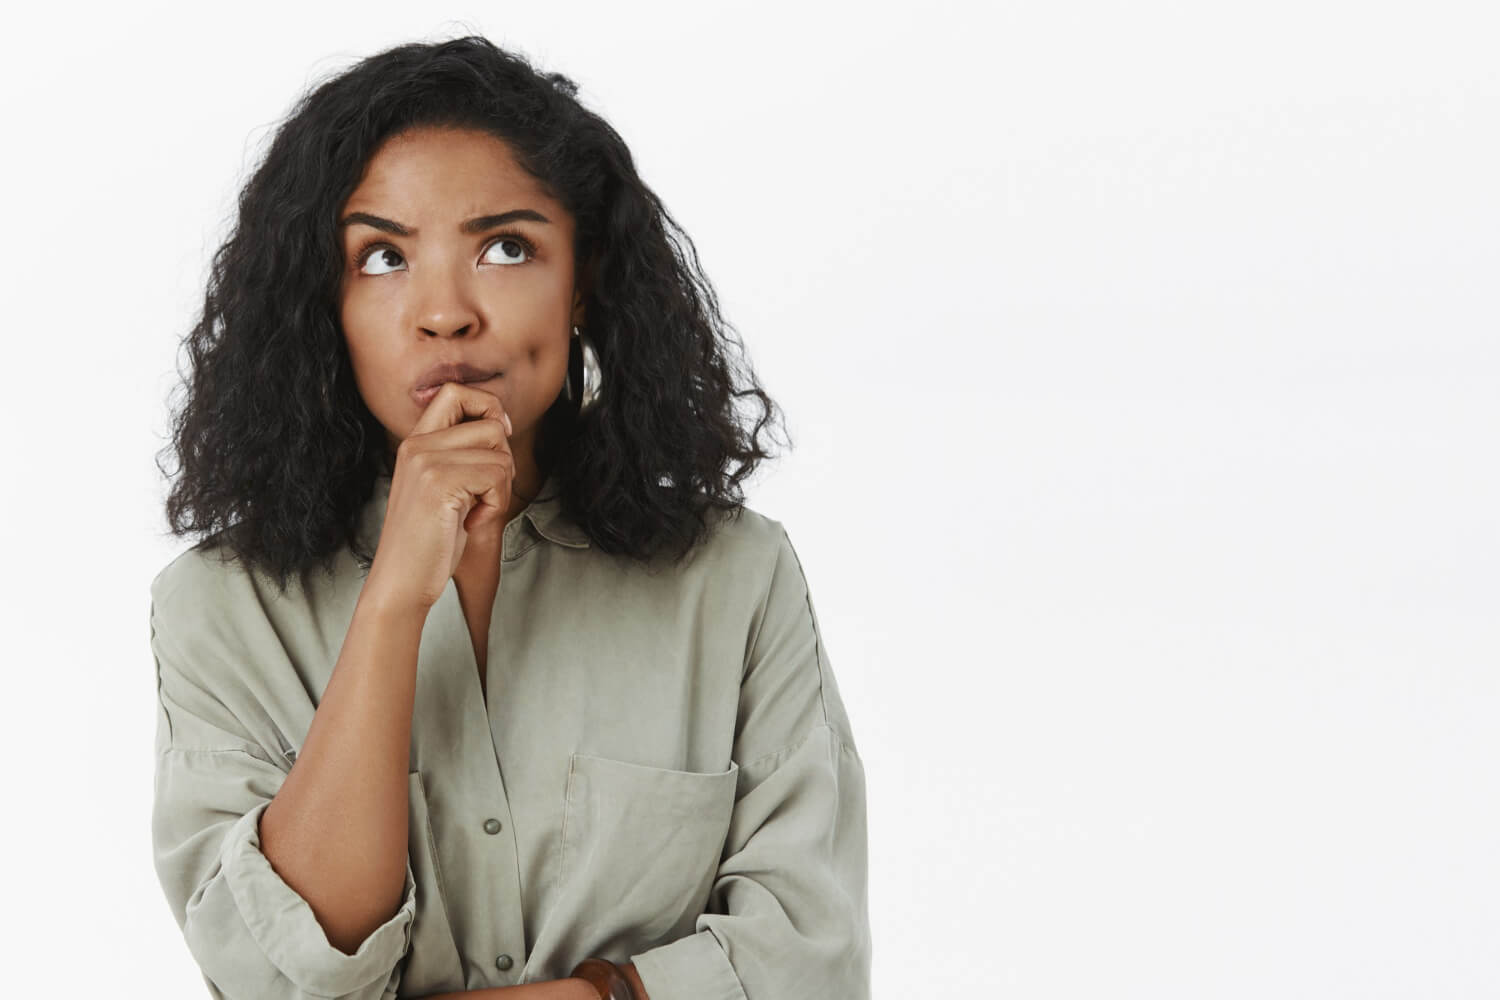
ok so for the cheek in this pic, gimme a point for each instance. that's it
(365, 325)
(366, 377)
(544, 359)
(552, 369)
(358, 320)
(366, 308)
(377, 377)
(535, 376)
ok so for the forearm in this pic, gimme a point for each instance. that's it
(548, 989)
(336, 830)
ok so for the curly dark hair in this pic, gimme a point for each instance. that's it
(277, 448)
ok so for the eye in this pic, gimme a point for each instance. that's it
(514, 244)
(517, 249)
(383, 252)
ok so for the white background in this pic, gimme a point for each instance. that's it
(1141, 361)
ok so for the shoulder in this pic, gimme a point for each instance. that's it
(194, 571)
(750, 554)
(745, 542)
(744, 528)
(205, 581)
(222, 669)
(736, 561)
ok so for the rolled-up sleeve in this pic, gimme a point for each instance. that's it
(788, 915)
(252, 935)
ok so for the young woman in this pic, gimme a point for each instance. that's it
(482, 677)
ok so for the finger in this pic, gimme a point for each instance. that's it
(452, 472)
(481, 432)
(475, 476)
(469, 456)
(454, 403)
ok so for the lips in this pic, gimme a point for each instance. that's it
(452, 371)
(425, 396)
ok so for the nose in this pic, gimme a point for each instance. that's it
(445, 307)
(438, 328)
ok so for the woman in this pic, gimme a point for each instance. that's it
(483, 677)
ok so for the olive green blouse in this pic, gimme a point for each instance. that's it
(660, 771)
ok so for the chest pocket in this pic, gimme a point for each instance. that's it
(643, 845)
(432, 964)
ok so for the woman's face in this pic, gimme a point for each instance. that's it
(424, 283)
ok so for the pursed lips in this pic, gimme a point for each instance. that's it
(460, 371)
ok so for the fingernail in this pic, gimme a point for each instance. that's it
(508, 429)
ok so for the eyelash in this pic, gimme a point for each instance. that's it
(364, 252)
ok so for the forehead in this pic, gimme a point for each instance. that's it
(431, 176)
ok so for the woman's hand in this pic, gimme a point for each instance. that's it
(453, 475)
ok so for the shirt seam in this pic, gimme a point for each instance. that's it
(432, 851)
(797, 745)
(262, 757)
(156, 668)
(812, 620)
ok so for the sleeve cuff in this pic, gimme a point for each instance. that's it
(284, 926)
(693, 967)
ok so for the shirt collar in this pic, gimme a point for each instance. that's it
(545, 514)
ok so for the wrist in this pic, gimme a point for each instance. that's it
(390, 604)
(606, 980)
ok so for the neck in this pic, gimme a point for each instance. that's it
(523, 489)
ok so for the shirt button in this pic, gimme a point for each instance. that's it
(492, 826)
(503, 961)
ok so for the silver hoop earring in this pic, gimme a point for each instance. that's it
(593, 377)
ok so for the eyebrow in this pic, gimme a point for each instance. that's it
(475, 225)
